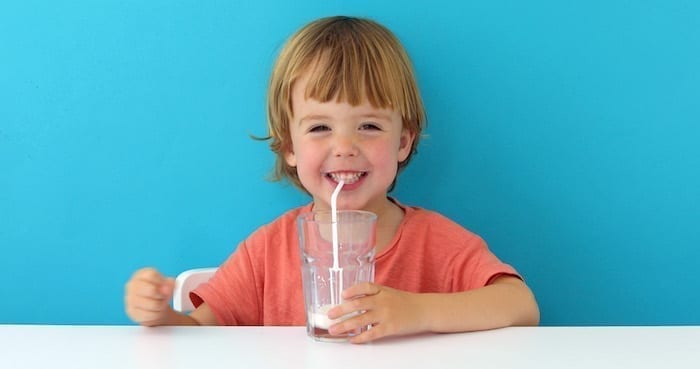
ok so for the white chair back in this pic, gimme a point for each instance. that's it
(185, 283)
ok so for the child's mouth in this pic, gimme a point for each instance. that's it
(347, 177)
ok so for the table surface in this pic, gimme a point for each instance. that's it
(55, 346)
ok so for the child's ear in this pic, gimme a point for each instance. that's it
(405, 144)
(290, 157)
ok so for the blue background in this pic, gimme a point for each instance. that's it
(564, 133)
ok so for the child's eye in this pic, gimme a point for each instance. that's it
(319, 128)
(370, 126)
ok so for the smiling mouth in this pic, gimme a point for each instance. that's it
(347, 177)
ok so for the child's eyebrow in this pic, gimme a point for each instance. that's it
(361, 116)
(377, 116)
(315, 117)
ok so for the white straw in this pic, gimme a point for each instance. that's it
(334, 235)
(334, 222)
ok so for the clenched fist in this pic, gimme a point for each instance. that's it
(147, 297)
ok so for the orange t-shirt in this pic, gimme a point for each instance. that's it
(260, 283)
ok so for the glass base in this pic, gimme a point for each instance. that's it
(322, 335)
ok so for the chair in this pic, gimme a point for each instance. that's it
(185, 283)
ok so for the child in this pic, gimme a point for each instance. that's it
(343, 104)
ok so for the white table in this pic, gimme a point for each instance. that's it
(45, 346)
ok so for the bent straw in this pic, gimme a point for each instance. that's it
(336, 284)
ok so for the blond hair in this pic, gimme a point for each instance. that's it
(354, 59)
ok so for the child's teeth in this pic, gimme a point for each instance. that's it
(346, 177)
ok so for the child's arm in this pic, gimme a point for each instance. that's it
(507, 301)
(147, 302)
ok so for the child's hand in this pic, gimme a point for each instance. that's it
(147, 297)
(389, 311)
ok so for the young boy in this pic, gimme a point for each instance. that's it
(343, 104)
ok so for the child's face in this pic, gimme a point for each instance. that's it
(361, 145)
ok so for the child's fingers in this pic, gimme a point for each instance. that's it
(369, 335)
(361, 320)
(167, 288)
(358, 298)
(145, 289)
(361, 289)
(360, 304)
(141, 315)
(147, 296)
(140, 303)
(145, 318)
(148, 282)
(148, 275)
(143, 310)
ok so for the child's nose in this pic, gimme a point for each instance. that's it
(344, 145)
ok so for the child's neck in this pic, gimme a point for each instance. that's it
(389, 219)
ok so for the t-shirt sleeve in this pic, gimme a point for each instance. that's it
(477, 266)
(233, 291)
